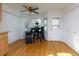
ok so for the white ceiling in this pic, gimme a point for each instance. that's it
(43, 7)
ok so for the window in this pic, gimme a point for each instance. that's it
(36, 21)
(45, 24)
(56, 23)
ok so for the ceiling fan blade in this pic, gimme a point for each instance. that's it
(23, 10)
(25, 6)
(35, 8)
(35, 12)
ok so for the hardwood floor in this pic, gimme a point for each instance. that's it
(45, 48)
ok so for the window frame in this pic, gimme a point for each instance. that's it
(58, 26)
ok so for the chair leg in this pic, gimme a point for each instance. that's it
(33, 40)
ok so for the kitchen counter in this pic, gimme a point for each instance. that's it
(4, 32)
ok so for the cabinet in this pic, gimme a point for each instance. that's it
(3, 43)
(0, 11)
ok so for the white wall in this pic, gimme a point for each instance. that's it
(54, 34)
(23, 22)
(11, 22)
(71, 28)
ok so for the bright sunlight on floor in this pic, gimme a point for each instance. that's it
(61, 54)
(64, 54)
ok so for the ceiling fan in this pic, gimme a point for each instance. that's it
(30, 9)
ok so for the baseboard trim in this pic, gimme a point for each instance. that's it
(10, 44)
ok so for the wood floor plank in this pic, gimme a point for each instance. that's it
(45, 48)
